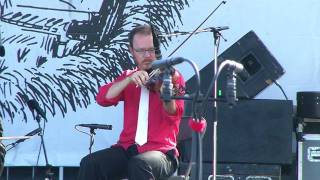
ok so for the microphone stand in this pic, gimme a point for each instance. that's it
(217, 36)
(198, 139)
(48, 173)
(92, 127)
(196, 154)
(92, 134)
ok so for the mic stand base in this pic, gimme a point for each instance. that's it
(48, 174)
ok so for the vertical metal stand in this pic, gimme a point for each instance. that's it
(48, 173)
(217, 36)
(300, 139)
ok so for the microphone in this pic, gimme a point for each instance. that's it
(96, 126)
(231, 90)
(219, 28)
(167, 86)
(234, 66)
(156, 41)
(32, 133)
(162, 63)
(34, 105)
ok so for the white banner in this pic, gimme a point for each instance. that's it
(59, 53)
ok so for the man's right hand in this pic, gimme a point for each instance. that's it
(139, 78)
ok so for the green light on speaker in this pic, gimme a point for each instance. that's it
(219, 92)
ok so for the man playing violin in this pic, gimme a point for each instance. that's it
(154, 155)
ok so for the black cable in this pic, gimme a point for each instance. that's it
(194, 31)
(197, 91)
(197, 118)
(276, 82)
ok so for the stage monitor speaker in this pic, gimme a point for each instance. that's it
(253, 131)
(260, 68)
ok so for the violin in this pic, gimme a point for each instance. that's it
(156, 79)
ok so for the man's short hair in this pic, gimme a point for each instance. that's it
(140, 29)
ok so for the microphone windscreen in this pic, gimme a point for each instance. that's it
(156, 41)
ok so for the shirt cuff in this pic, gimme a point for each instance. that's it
(101, 96)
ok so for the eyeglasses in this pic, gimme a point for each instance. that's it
(143, 52)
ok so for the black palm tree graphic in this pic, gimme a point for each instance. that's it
(66, 76)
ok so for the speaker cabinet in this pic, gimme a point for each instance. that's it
(253, 131)
(260, 68)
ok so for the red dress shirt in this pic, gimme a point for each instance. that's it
(163, 128)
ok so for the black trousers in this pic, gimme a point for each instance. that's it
(117, 163)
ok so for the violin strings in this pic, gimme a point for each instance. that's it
(154, 72)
